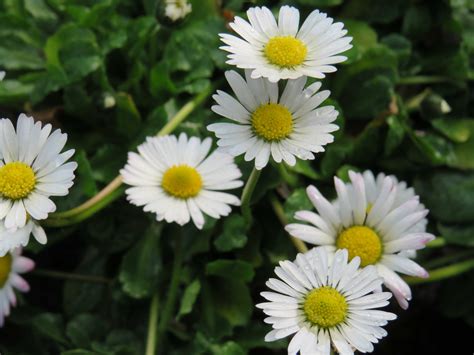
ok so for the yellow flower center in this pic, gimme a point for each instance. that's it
(325, 307)
(17, 180)
(285, 51)
(182, 181)
(361, 241)
(5, 269)
(272, 122)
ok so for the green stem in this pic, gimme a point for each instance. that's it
(70, 276)
(449, 259)
(436, 243)
(247, 194)
(152, 323)
(172, 293)
(111, 192)
(443, 272)
(423, 79)
(280, 213)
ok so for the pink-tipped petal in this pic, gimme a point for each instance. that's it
(19, 283)
(22, 264)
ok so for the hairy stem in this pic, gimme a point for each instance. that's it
(152, 323)
(169, 305)
(423, 79)
(443, 272)
(247, 194)
(70, 276)
(280, 213)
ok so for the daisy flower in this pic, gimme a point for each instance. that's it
(380, 221)
(12, 239)
(322, 300)
(283, 50)
(268, 124)
(32, 168)
(177, 9)
(11, 266)
(174, 178)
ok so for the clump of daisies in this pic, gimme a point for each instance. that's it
(178, 180)
(177, 9)
(32, 169)
(325, 300)
(12, 265)
(378, 220)
(266, 124)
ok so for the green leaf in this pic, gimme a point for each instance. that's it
(458, 131)
(142, 264)
(233, 234)
(304, 167)
(462, 132)
(188, 300)
(335, 155)
(71, 53)
(458, 234)
(84, 172)
(128, 118)
(234, 269)
(51, 326)
(40, 11)
(231, 300)
(85, 328)
(448, 195)
(395, 134)
(364, 37)
(297, 201)
(81, 297)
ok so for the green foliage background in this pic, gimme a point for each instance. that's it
(65, 59)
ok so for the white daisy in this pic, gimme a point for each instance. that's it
(283, 50)
(324, 300)
(177, 9)
(32, 168)
(380, 221)
(11, 266)
(285, 127)
(13, 238)
(174, 178)
(2, 75)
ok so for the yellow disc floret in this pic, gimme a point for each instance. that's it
(5, 269)
(285, 51)
(17, 180)
(361, 241)
(325, 307)
(182, 181)
(272, 122)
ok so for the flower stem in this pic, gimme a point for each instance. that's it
(278, 209)
(169, 305)
(152, 323)
(70, 276)
(436, 243)
(423, 79)
(111, 192)
(443, 272)
(247, 194)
